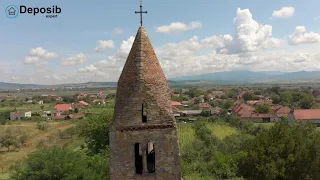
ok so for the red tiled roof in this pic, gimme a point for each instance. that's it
(210, 96)
(243, 110)
(204, 105)
(76, 116)
(175, 103)
(83, 103)
(59, 117)
(98, 100)
(18, 113)
(258, 102)
(62, 107)
(175, 95)
(276, 107)
(306, 114)
(283, 110)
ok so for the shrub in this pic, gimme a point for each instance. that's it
(3, 121)
(42, 125)
(62, 163)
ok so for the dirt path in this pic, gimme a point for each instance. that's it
(8, 158)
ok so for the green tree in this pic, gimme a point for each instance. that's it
(257, 92)
(283, 152)
(276, 89)
(68, 99)
(227, 105)
(275, 99)
(248, 96)
(223, 97)
(262, 109)
(306, 102)
(95, 130)
(286, 97)
(61, 163)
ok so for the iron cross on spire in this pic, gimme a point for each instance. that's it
(140, 12)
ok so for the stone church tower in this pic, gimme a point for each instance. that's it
(143, 134)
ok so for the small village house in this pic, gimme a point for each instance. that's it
(20, 115)
(81, 104)
(185, 103)
(175, 111)
(176, 104)
(308, 115)
(210, 97)
(62, 108)
(174, 95)
(99, 101)
(101, 95)
(82, 95)
(204, 106)
(216, 111)
(53, 96)
(241, 94)
(46, 114)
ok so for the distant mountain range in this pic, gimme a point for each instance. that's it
(253, 77)
(225, 77)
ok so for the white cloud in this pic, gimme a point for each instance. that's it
(177, 27)
(316, 18)
(117, 31)
(284, 12)
(301, 36)
(271, 43)
(39, 56)
(104, 68)
(74, 60)
(125, 48)
(250, 35)
(182, 49)
(217, 41)
(104, 45)
(112, 67)
(88, 69)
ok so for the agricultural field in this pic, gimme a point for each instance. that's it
(186, 132)
(54, 134)
(28, 107)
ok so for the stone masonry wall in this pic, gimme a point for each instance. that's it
(167, 155)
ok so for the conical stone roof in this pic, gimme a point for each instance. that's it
(142, 85)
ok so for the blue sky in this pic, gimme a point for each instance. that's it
(82, 23)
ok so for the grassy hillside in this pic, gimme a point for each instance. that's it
(36, 139)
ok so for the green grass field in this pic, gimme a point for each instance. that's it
(4, 176)
(28, 107)
(186, 133)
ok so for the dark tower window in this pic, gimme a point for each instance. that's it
(151, 160)
(138, 158)
(144, 114)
